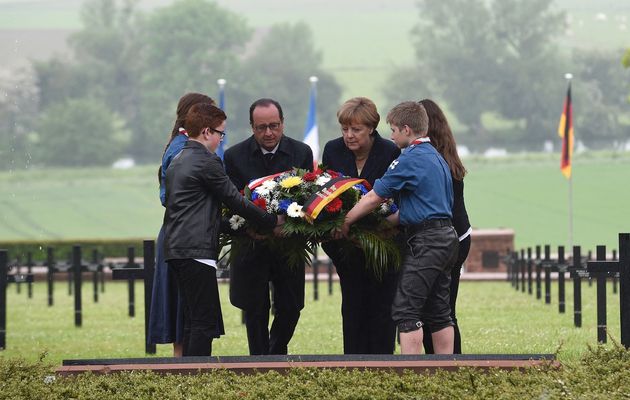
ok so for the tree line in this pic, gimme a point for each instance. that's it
(496, 65)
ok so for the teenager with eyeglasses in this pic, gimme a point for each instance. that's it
(267, 151)
(166, 318)
(196, 190)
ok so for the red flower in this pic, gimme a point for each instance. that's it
(261, 202)
(367, 185)
(334, 206)
(309, 176)
(318, 171)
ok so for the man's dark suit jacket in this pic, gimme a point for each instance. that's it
(243, 162)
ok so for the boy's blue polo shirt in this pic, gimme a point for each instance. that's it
(422, 179)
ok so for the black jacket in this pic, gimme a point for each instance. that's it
(244, 161)
(196, 185)
(460, 216)
(339, 158)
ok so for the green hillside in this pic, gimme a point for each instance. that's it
(525, 193)
(361, 41)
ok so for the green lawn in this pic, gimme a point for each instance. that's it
(493, 317)
(526, 193)
(531, 197)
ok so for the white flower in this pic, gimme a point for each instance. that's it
(272, 206)
(295, 210)
(269, 184)
(384, 208)
(322, 180)
(262, 191)
(236, 222)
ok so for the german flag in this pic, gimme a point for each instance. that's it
(565, 131)
(331, 190)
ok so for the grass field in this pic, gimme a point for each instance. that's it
(493, 317)
(526, 193)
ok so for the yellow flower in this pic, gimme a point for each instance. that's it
(290, 182)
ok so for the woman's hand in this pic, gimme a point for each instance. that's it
(341, 232)
(394, 219)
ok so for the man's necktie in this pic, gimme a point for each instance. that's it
(268, 157)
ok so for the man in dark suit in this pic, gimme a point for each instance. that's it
(266, 152)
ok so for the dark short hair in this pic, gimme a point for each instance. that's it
(265, 102)
(203, 115)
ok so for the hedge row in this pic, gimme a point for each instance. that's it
(63, 248)
(601, 374)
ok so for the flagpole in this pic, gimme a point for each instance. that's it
(221, 82)
(571, 212)
(568, 76)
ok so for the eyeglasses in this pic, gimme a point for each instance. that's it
(222, 133)
(274, 126)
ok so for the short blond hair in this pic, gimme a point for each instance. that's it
(412, 114)
(359, 110)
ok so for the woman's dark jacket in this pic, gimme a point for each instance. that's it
(339, 158)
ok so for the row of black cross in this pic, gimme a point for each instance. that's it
(15, 271)
(10, 272)
(526, 271)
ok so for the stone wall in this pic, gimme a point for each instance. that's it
(488, 248)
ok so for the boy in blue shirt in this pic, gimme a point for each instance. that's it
(422, 181)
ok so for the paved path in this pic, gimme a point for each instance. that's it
(256, 364)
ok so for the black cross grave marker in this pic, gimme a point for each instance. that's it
(577, 271)
(601, 270)
(5, 279)
(135, 271)
(130, 271)
(530, 264)
(547, 264)
(523, 266)
(538, 269)
(561, 268)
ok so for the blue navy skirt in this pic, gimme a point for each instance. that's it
(166, 318)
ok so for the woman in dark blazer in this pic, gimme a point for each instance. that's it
(444, 142)
(366, 299)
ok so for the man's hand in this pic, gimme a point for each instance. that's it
(255, 235)
(278, 230)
